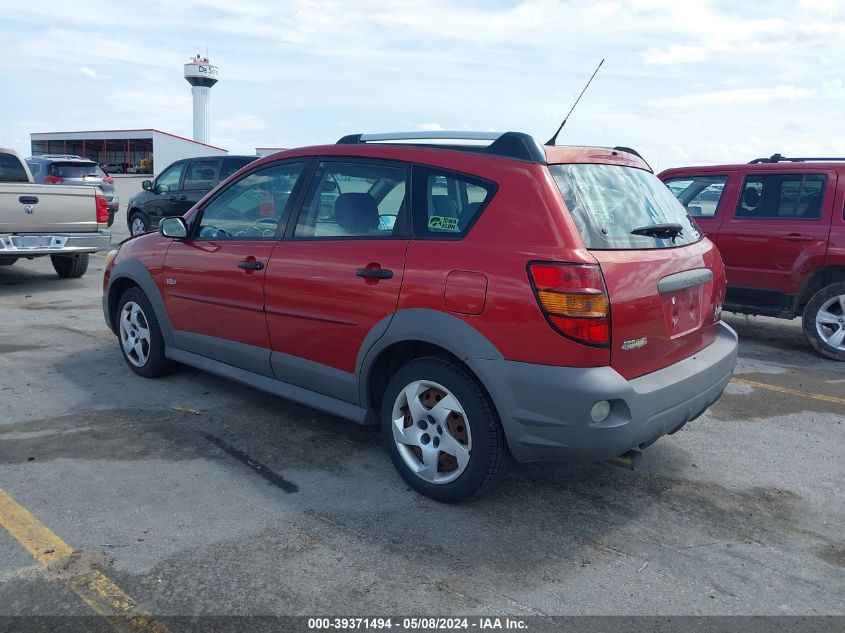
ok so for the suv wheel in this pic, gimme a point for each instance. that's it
(70, 266)
(140, 337)
(824, 321)
(138, 224)
(441, 430)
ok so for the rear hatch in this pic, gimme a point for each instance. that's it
(665, 281)
(83, 173)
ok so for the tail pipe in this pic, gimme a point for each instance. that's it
(630, 460)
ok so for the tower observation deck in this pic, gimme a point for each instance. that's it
(202, 75)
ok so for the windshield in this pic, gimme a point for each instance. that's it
(610, 202)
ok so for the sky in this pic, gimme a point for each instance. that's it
(684, 81)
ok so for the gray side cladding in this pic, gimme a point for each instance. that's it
(430, 326)
(137, 272)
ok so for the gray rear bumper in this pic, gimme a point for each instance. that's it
(30, 244)
(545, 410)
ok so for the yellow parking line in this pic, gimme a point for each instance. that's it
(93, 587)
(791, 392)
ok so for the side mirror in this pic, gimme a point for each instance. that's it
(147, 185)
(162, 188)
(174, 228)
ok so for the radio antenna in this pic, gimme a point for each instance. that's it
(552, 140)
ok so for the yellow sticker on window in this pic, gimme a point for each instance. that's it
(443, 223)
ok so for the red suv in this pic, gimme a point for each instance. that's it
(477, 299)
(780, 226)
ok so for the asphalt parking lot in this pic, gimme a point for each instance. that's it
(197, 496)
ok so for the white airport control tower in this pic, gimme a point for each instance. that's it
(202, 76)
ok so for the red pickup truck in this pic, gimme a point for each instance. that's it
(780, 227)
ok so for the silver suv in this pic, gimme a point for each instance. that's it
(68, 169)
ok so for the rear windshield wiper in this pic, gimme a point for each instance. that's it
(661, 231)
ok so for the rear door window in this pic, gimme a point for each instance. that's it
(354, 199)
(623, 208)
(201, 174)
(782, 197)
(700, 195)
(446, 203)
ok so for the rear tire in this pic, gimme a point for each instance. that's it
(442, 430)
(139, 335)
(70, 266)
(824, 321)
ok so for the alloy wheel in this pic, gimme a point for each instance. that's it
(138, 226)
(134, 334)
(830, 322)
(431, 432)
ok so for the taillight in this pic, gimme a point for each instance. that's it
(52, 180)
(102, 210)
(574, 300)
(108, 180)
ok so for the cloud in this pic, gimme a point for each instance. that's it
(430, 127)
(88, 72)
(243, 123)
(827, 7)
(675, 55)
(736, 96)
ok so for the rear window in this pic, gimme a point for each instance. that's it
(623, 208)
(76, 170)
(11, 169)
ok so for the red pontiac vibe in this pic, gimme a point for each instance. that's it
(481, 299)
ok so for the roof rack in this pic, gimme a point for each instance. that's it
(778, 158)
(515, 145)
(59, 156)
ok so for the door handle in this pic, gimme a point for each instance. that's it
(172, 198)
(28, 200)
(797, 237)
(374, 273)
(250, 265)
(182, 198)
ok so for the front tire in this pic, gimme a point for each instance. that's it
(70, 266)
(141, 342)
(824, 321)
(442, 430)
(138, 224)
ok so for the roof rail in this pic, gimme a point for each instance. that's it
(59, 156)
(778, 158)
(515, 145)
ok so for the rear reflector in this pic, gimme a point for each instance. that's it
(102, 210)
(574, 300)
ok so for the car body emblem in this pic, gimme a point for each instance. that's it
(635, 343)
(29, 209)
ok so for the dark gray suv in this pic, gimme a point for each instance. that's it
(65, 169)
(177, 188)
